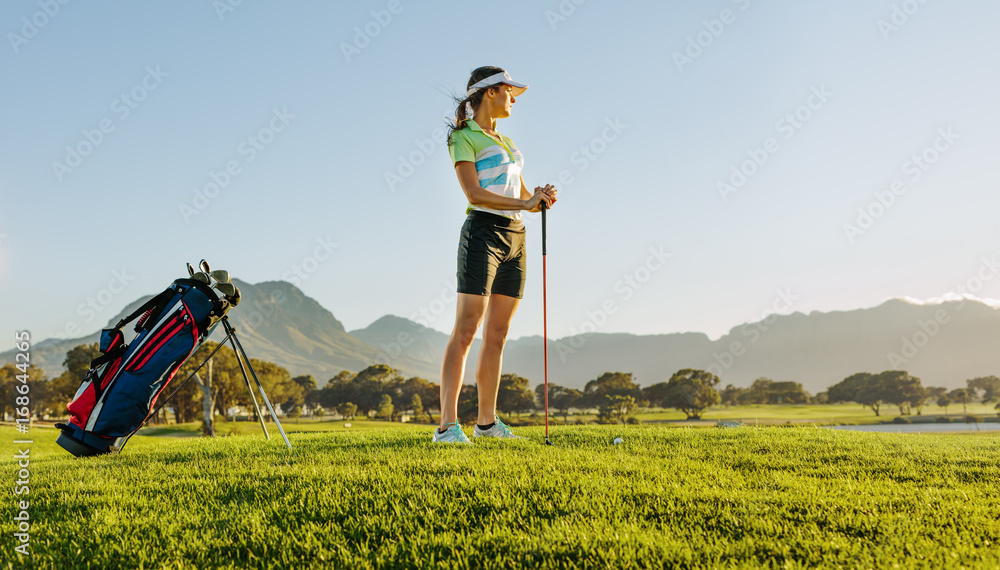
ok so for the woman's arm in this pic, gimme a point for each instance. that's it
(468, 178)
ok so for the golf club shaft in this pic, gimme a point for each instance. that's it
(545, 327)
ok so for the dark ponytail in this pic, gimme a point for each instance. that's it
(462, 113)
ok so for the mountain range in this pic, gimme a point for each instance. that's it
(943, 343)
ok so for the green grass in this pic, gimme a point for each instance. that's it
(684, 498)
(193, 429)
(819, 414)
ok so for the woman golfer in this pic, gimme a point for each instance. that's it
(491, 256)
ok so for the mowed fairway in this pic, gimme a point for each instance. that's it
(686, 498)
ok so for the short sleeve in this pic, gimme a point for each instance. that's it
(461, 147)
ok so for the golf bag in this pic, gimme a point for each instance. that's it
(122, 385)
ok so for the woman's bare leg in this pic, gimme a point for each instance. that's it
(468, 314)
(499, 312)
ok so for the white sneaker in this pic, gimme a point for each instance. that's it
(499, 429)
(453, 434)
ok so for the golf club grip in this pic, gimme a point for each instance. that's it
(544, 207)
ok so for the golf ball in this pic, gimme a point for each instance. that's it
(618, 440)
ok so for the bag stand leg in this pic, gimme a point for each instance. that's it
(241, 355)
(240, 358)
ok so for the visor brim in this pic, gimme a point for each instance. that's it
(516, 88)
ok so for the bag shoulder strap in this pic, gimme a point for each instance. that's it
(162, 297)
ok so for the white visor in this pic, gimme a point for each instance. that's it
(496, 79)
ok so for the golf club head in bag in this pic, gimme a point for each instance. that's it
(220, 275)
(202, 277)
(204, 266)
(230, 291)
(227, 289)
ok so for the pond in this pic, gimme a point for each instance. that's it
(921, 428)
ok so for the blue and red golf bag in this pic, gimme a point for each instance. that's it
(122, 385)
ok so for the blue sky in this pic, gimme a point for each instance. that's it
(833, 104)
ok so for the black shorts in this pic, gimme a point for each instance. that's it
(491, 257)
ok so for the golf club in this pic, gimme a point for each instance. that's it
(203, 277)
(235, 298)
(220, 275)
(227, 289)
(204, 266)
(190, 270)
(545, 330)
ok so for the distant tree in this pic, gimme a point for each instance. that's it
(654, 394)
(986, 388)
(863, 388)
(514, 394)
(308, 384)
(228, 388)
(766, 391)
(821, 398)
(560, 398)
(58, 392)
(944, 401)
(365, 389)
(336, 391)
(416, 406)
(35, 388)
(898, 388)
(610, 384)
(960, 396)
(759, 392)
(935, 392)
(278, 384)
(369, 385)
(468, 403)
(428, 391)
(616, 408)
(692, 392)
(347, 410)
(918, 399)
(198, 399)
(78, 358)
(732, 395)
(787, 393)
